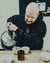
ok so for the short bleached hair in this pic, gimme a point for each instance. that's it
(33, 7)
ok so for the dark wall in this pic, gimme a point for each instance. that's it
(21, 7)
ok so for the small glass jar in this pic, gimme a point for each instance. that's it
(21, 55)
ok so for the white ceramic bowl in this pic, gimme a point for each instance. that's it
(7, 58)
(26, 49)
(45, 56)
(15, 49)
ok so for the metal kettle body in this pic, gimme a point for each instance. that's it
(7, 40)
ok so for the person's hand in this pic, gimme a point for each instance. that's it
(8, 24)
(11, 26)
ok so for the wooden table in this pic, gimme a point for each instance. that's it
(32, 57)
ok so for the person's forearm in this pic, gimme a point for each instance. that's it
(21, 32)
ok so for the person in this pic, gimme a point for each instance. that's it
(29, 28)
